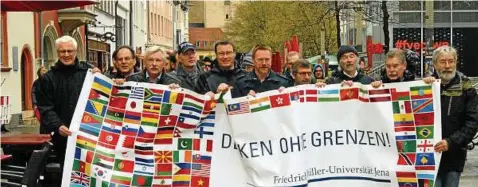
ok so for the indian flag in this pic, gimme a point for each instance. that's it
(421, 92)
(260, 104)
(329, 95)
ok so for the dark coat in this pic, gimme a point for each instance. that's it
(340, 76)
(459, 107)
(249, 81)
(407, 76)
(165, 79)
(209, 81)
(35, 90)
(188, 80)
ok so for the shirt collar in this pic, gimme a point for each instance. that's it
(147, 77)
(356, 73)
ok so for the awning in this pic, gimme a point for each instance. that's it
(41, 5)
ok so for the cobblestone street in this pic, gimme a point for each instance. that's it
(469, 177)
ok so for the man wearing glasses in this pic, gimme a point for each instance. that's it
(302, 72)
(123, 61)
(348, 61)
(223, 73)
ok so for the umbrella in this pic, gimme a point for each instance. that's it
(42, 5)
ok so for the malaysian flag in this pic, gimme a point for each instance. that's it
(238, 108)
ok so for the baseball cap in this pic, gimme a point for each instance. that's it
(183, 47)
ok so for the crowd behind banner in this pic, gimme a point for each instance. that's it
(58, 89)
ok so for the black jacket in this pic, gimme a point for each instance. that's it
(249, 81)
(116, 75)
(59, 91)
(209, 81)
(340, 76)
(188, 80)
(35, 89)
(407, 76)
(459, 107)
(165, 79)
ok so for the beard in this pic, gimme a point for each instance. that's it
(446, 76)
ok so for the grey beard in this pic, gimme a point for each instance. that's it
(447, 77)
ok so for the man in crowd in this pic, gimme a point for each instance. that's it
(302, 72)
(262, 78)
(207, 64)
(188, 69)
(348, 61)
(395, 69)
(124, 61)
(35, 89)
(224, 71)
(247, 64)
(154, 71)
(459, 106)
(59, 92)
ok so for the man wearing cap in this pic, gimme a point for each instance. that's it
(247, 64)
(223, 73)
(348, 61)
(188, 69)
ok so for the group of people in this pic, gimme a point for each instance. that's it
(57, 91)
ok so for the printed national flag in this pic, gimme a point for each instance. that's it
(125, 142)
(121, 91)
(104, 160)
(120, 179)
(181, 180)
(401, 120)
(164, 169)
(137, 93)
(182, 168)
(400, 95)
(132, 117)
(209, 106)
(405, 135)
(206, 126)
(100, 175)
(311, 95)
(424, 119)
(295, 96)
(421, 92)
(193, 104)
(152, 107)
(167, 121)
(81, 166)
(407, 146)
(79, 178)
(170, 109)
(130, 129)
(163, 157)
(185, 144)
(422, 105)
(363, 95)
(379, 95)
(115, 114)
(182, 156)
(238, 108)
(88, 129)
(425, 182)
(407, 182)
(425, 146)
(98, 96)
(404, 174)
(144, 169)
(173, 97)
(85, 142)
(202, 159)
(425, 159)
(406, 159)
(329, 95)
(95, 108)
(280, 100)
(144, 147)
(112, 126)
(102, 85)
(203, 145)
(162, 181)
(147, 132)
(91, 119)
(150, 119)
(402, 107)
(109, 137)
(124, 165)
(142, 180)
(167, 132)
(199, 181)
(134, 105)
(153, 95)
(425, 132)
(260, 104)
(84, 155)
(349, 93)
(404, 129)
(187, 121)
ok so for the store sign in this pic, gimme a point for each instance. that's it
(413, 45)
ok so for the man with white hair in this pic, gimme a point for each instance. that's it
(59, 92)
(459, 106)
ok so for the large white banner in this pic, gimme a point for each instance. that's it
(142, 134)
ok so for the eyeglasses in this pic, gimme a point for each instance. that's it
(66, 51)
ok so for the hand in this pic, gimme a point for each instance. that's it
(64, 131)
(118, 81)
(429, 80)
(223, 87)
(281, 89)
(349, 83)
(252, 93)
(211, 95)
(174, 86)
(376, 84)
(320, 84)
(441, 146)
(95, 70)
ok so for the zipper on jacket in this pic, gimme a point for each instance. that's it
(449, 105)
